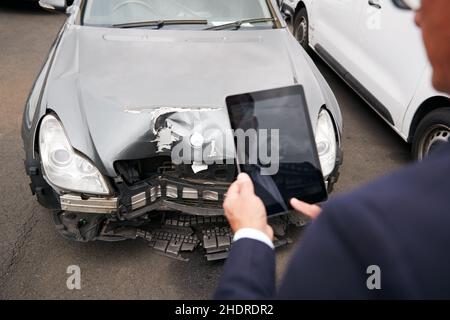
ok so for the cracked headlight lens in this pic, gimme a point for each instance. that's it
(63, 167)
(326, 142)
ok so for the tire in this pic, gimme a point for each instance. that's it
(301, 28)
(432, 131)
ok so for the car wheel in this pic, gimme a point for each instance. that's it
(433, 131)
(301, 28)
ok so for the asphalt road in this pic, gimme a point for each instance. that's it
(34, 258)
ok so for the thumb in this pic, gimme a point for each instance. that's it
(246, 185)
(310, 210)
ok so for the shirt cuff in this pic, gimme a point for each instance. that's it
(249, 233)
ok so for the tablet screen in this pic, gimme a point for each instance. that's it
(275, 145)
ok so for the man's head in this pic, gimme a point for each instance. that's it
(434, 19)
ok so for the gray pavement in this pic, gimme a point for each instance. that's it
(34, 258)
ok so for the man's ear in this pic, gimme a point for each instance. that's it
(418, 19)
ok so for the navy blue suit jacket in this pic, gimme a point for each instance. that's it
(400, 223)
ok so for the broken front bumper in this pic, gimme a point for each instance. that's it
(161, 193)
(168, 234)
(190, 216)
(164, 193)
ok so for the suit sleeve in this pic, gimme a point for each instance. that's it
(249, 272)
(324, 266)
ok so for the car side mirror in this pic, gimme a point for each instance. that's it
(54, 5)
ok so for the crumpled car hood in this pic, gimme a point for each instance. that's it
(110, 86)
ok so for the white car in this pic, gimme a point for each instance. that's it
(378, 51)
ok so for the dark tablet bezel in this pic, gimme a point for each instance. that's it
(296, 90)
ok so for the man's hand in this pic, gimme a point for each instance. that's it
(244, 209)
(310, 210)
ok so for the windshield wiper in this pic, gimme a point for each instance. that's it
(157, 23)
(237, 24)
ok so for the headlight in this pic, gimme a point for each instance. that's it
(63, 167)
(326, 142)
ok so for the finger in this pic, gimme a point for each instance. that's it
(230, 197)
(228, 206)
(312, 211)
(234, 189)
(246, 185)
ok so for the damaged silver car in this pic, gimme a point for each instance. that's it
(126, 82)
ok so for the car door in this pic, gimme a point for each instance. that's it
(391, 59)
(333, 30)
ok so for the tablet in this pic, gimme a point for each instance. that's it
(275, 145)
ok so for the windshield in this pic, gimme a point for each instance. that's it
(215, 12)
